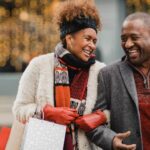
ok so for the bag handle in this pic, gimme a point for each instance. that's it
(39, 114)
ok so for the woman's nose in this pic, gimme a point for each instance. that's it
(92, 45)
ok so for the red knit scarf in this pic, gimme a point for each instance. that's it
(64, 91)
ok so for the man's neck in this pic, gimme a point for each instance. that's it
(144, 68)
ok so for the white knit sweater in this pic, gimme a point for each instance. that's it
(36, 89)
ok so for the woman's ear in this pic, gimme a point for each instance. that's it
(68, 38)
(69, 41)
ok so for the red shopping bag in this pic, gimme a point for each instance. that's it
(4, 135)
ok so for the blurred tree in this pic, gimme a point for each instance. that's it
(138, 5)
(26, 31)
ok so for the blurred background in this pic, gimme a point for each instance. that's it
(26, 31)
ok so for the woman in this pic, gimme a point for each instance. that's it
(63, 84)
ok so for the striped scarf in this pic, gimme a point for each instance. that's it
(70, 94)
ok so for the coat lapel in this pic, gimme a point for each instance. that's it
(128, 79)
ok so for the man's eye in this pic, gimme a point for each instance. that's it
(123, 39)
(135, 38)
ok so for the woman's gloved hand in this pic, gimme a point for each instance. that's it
(60, 115)
(91, 121)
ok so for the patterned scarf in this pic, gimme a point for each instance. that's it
(71, 94)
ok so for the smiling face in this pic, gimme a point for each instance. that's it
(82, 44)
(136, 42)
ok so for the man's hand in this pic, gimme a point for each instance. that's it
(117, 142)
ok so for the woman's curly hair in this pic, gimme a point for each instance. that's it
(71, 9)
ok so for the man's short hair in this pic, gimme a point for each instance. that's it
(143, 16)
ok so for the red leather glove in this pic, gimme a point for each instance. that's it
(91, 121)
(60, 115)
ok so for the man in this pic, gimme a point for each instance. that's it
(124, 88)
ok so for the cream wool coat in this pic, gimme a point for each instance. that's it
(36, 89)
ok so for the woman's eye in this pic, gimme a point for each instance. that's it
(95, 41)
(87, 38)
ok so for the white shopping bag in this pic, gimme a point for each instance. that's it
(43, 135)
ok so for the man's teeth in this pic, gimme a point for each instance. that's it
(132, 51)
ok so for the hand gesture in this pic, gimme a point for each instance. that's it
(117, 142)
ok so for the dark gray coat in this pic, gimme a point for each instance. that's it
(117, 92)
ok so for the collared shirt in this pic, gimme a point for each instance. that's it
(142, 83)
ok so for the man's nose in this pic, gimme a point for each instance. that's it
(129, 43)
